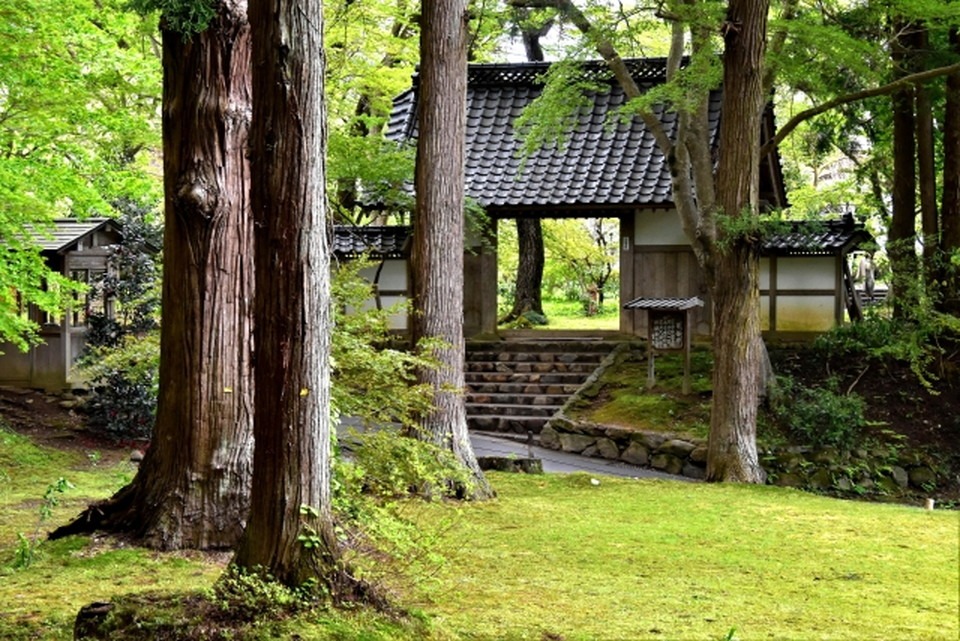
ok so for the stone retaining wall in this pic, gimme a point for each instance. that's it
(860, 472)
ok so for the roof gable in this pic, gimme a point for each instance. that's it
(65, 234)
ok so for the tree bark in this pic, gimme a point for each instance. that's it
(192, 490)
(926, 173)
(902, 232)
(950, 203)
(528, 287)
(290, 531)
(439, 226)
(527, 296)
(734, 280)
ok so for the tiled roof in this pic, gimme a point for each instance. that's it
(664, 304)
(816, 237)
(606, 161)
(66, 232)
(377, 242)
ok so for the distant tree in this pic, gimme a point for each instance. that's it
(528, 286)
(439, 226)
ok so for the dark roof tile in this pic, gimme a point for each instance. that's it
(815, 237)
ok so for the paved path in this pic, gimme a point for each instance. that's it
(493, 444)
(489, 444)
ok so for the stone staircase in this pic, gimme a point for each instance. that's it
(517, 385)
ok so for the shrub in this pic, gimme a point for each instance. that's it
(819, 416)
(125, 382)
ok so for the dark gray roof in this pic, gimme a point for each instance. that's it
(828, 237)
(64, 233)
(377, 242)
(606, 162)
(664, 304)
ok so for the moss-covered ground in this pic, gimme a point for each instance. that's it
(553, 557)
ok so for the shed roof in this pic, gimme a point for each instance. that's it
(377, 242)
(66, 233)
(829, 237)
(607, 162)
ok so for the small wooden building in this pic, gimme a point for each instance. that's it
(805, 282)
(78, 250)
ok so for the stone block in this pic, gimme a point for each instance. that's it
(667, 463)
(920, 476)
(575, 443)
(699, 454)
(677, 447)
(693, 471)
(636, 454)
(549, 438)
(608, 449)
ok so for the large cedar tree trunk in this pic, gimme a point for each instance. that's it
(192, 490)
(950, 203)
(734, 280)
(293, 316)
(439, 225)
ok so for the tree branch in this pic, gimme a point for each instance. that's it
(606, 50)
(882, 90)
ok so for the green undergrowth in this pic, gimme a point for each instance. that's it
(623, 398)
(553, 557)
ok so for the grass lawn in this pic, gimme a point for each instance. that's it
(554, 557)
(568, 315)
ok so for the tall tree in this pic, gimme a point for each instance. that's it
(528, 286)
(439, 226)
(950, 204)
(902, 236)
(192, 489)
(290, 534)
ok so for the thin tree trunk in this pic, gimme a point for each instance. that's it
(926, 174)
(439, 226)
(950, 204)
(902, 233)
(290, 530)
(527, 293)
(192, 490)
(734, 280)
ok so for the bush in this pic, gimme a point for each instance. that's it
(125, 381)
(819, 416)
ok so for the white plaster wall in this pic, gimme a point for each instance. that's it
(813, 272)
(764, 273)
(764, 313)
(658, 228)
(805, 313)
(393, 276)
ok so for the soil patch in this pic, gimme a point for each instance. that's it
(49, 421)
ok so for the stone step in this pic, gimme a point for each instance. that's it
(535, 357)
(479, 398)
(599, 347)
(506, 409)
(521, 388)
(510, 424)
(562, 378)
(531, 368)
